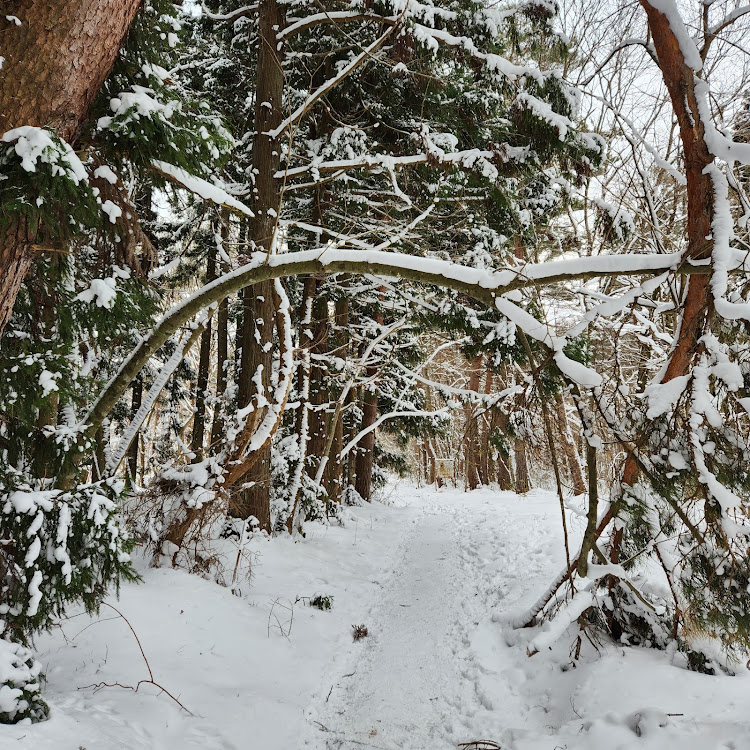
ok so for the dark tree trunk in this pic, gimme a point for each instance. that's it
(131, 457)
(259, 309)
(55, 63)
(485, 462)
(257, 352)
(471, 442)
(523, 484)
(319, 394)
(204, 366)
(334, 468)
(222, 360)
(366, 446)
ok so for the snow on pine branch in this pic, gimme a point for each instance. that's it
(330, 84)
(477, 160)
(202, 188)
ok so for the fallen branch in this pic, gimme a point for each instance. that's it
(150, 681)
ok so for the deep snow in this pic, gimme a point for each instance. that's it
(435, 577)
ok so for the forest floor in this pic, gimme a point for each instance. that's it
(435, 578)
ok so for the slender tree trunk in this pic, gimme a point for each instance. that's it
(471, 441)
(319, 393)
(222, 362)
(523, 485)
(204, 366)
(484, 442)
(58, 57)
(569, 448)
(504, 478)
(222, 351)
(334, 468)
(366, 448)
(131, 457)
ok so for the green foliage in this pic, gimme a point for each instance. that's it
(143, 114)
(43, 184)
(68, 327)
(20, 685)
(321, 602)
(58, 548)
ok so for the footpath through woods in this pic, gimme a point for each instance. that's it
(418, 680)
(435, 577)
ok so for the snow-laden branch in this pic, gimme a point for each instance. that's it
(485, 286)
(246, 10)
(728, 20)
(391, 415)
(116, 456)
(298, 25)
(202, 188)
(476, 160)
(433, 38)
(331, 83)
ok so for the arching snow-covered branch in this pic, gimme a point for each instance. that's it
(485, 286)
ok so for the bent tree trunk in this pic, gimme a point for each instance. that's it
(59, 57)
(679, 79)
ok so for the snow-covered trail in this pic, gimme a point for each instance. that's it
(417, 681)
(435, 576)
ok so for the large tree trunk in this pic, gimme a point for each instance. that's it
(259, 309)
(55, 63)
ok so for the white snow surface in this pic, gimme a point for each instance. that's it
(436, 576)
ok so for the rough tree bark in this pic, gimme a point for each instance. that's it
(59, 57)
(259, 310)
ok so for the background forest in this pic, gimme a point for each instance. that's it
(258, 259)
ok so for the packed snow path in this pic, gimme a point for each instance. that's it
(416, 681)
(434, 576)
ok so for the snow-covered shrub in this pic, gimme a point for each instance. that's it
(20, 685)
(41, 174)
(58, 548)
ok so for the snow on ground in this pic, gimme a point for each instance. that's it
(434, 576)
